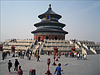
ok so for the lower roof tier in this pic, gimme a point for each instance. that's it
(49, 30)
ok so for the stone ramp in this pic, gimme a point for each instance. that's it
(74, 67)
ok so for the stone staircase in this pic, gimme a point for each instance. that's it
(98, 51)
(35, 46)
(38, 46)
(90, 52)
(85, 48)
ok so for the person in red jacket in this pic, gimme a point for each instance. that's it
(20, 71)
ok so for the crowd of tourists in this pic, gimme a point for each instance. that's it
(78, 55)
(20, 71)
(19, 55)
(29, 53)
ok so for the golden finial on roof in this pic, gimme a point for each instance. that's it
(49, 5)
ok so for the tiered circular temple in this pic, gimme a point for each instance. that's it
(49, 27)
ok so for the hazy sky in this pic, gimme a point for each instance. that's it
(82, 18)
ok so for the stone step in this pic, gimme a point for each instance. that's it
(89, 52)
(98, 51)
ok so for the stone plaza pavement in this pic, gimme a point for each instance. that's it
(91, 66)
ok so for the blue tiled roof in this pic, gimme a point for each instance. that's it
(49, 30)
(50, 12)
(49, 23)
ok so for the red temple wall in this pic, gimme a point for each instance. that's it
(59, 37)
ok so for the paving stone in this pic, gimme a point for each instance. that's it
(74, 67)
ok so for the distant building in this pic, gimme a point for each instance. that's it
(49, 27)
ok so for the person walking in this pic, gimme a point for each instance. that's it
(85, 57)
(3, 56)
(75, 54)
(58, 69)
(38, 58)
(29, 56)
(78, 56)
(81, 56)
(23, 55)
(9, 66)
(16, 65)
(19, 54)
(36, 55)
(20, 71)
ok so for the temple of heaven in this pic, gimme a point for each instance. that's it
(49, 27)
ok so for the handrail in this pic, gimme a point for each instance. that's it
(83, 51)
(41, 47)
(85, 46)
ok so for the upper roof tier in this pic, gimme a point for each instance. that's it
(49, 12)
(43, 23)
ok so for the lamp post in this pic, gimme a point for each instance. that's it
(1, 48)
(12, 49)
(48, 63)
(54, 60)
(57, 56)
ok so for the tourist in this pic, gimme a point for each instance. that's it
(81, 56)
(48, 52)
(75, 54)
(31, 53)
(67, 54)
(23, 55)
(13, 55)
(9, 66)
(3, 56)
(18, 54)
(20, 71)
(36, 55)
(9, 53)
(78, 56)
(85, 57)
(58, 69)
(29, 56)
(38, 58)
(70, 54)
(16, 65)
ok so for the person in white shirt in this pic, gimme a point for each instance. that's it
(85, 57)
(78, 56)
(75, 54)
